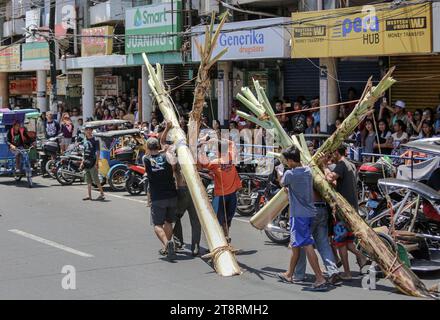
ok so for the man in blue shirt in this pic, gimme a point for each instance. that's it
(298, 181)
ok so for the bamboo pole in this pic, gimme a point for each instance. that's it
(223, 257)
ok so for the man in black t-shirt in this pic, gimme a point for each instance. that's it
(163, 195)
(90, 164)
(345, 176)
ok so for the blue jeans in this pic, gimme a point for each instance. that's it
(320, 235)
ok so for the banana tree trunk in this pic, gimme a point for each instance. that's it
(224, 259)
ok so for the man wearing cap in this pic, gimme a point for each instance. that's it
(398, 112)
(90, 164)
(163, 195)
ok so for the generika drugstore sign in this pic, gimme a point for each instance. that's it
(269, 39)
(362, 31)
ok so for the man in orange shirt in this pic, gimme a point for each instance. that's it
(226, 181)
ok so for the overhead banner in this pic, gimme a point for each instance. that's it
(10, 58)
(150, 28)
(97, 41)
(258, 43)
(384, 29)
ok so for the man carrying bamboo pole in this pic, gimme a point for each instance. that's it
(344, 175)
(298, 181)
(163, 196)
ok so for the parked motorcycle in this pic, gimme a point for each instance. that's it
(68, 170)
(47, 151)
(249, 196)
(135, 180)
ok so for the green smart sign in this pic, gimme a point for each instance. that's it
(148, 28)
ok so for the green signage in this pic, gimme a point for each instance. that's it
(35, 51)
(150, 28)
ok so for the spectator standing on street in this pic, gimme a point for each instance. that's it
(398, 138)
(67, 131)
(298, 120)
(163, 195)
(383, 146)
(52, 127)
(298, 181)
(90, 164)
(427, 130)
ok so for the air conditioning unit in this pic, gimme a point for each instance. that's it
(208, 6)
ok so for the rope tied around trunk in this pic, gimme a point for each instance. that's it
(215, 254)
(393, 268)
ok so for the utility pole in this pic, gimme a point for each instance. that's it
(52, 56)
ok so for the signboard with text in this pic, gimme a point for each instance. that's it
(97, 41)
(10, 58)
(258, 43)
(383, 29)
(148, 28)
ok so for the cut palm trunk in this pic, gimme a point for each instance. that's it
(203, 81)
(224, 259)
(370, 95)
(402, 277)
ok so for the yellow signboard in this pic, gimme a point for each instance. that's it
(97, 41)
(10, 58)
(362, 31)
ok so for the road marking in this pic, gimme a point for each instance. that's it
(50, 243)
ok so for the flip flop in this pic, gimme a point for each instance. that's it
(87, 198)
(283, 278)
(323, 287)
(100, 198)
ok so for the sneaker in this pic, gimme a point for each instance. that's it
(171, 252)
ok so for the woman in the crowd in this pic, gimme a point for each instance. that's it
(369, 139)
(67, 131)
(414, 120)
(427, 130)
(383, 146)
(398, 138)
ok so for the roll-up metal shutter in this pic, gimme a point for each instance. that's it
(355, 73)
(418, 80)
(301, 78)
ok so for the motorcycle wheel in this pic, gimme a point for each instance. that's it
(51, 168)
(277, 237)
(245, 207)
(117, 179)
(63, 178)
(133, 185)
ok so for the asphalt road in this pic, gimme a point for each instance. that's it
(113, 249)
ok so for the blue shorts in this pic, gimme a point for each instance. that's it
(224, 207)
(301, 231)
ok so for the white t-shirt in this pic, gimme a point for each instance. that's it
(398, 140)
(75, 123)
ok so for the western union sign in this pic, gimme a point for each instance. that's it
(362, 31)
